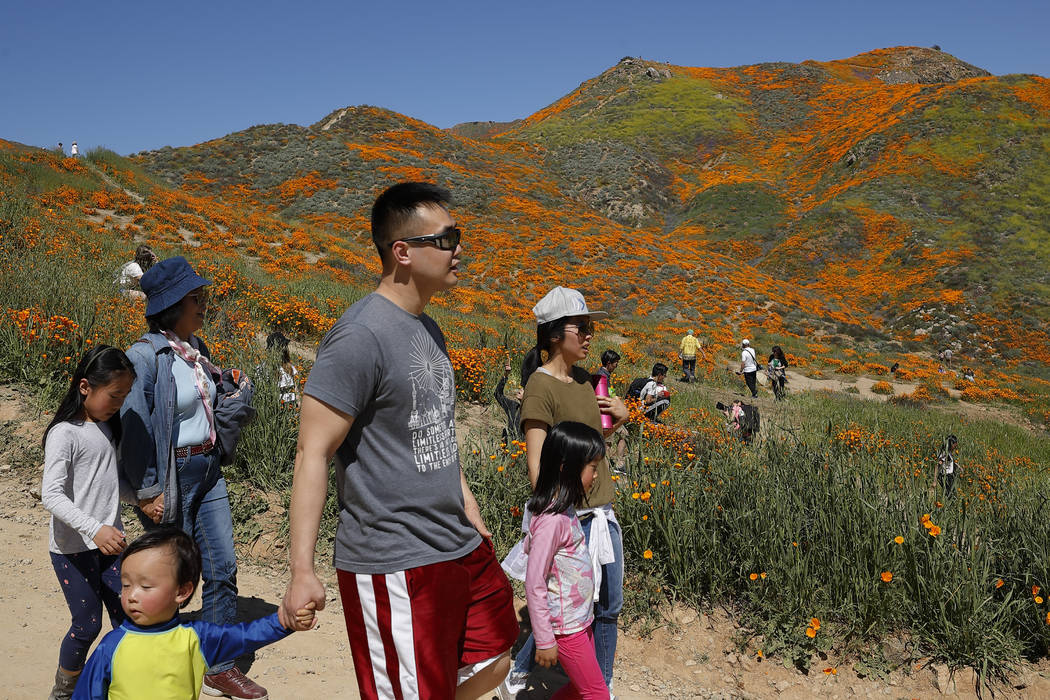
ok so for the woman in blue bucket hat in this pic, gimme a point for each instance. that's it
(169, 452)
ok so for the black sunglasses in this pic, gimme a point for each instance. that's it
(582, 327)
(446, 240)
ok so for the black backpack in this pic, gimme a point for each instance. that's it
(634, 391)
(751, 420)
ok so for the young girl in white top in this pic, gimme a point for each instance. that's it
(82, 490)
(559, 580)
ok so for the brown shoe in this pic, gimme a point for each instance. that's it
(232, 683)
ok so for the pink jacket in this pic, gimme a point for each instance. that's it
(559, 582)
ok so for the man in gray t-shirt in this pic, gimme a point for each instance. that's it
(424, 597)
(398, 468)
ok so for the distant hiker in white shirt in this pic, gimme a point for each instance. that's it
(131, 272)
(74, 150)
(749, 366)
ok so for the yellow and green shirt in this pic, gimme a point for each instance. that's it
(168, 661)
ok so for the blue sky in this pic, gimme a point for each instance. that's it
(139, 75)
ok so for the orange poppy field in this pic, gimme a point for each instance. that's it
(861, 213)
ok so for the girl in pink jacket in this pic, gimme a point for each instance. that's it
(559, 581)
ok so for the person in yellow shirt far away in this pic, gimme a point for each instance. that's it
(687, 352)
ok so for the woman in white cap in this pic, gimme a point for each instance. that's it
(557, 390)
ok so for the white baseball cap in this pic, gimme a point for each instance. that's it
(562, 302)
(745, 342)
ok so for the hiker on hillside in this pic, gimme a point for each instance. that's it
(947, 468)
(170, 453)
(287, 373)
(428, 610)
(131, 272)
(742, 420)
(776, 369)
(610, 361)
(511, 406)
(61, 149)
(558, 390)
(74, 150)
(687, 352)
(654, 395)
(749, 366)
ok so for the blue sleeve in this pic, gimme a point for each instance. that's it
(138, 451)
(226, 642)
(93, 683)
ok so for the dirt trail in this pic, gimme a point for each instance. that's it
(800, 382)
(691, 656)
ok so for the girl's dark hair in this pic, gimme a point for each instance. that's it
(99, 367)
(279, 341)
(568, 448)
(778, 353)
(609, 357)
(144, 257)
(545, 333)
(165, 320)
(182, 547)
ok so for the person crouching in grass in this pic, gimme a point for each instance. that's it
(155, 654)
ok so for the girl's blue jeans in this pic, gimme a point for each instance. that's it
(606, 611)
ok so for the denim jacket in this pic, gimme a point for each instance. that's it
(147, 453)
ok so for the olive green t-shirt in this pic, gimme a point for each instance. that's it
(552, 401)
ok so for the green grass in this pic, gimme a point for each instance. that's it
(818, 517)
(664, 114)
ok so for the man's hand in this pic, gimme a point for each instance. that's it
(109, 539)
(474, 516)
(304, 595)
(304, 617)
(471, 508)
(547, 657)
(153, 507)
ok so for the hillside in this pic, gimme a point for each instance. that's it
(862, 213)
(897, 195)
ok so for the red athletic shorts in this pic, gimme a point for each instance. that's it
(410, 631)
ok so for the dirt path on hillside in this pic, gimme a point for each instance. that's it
(800, 382)
(691, 656)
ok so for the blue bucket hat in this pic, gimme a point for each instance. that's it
(167, 282)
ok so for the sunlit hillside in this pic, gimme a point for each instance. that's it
(864, 214)
(899, 195)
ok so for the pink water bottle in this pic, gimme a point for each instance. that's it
(602, 389)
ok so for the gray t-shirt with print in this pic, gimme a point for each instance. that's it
(400, 500)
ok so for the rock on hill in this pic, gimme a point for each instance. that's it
(900, 194)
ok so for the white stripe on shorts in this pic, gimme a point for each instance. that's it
(400, 631)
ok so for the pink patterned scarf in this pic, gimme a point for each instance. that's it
(201, 367)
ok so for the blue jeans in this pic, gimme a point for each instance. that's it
(606, 610)
(204, 514)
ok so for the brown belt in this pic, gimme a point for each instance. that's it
(191, 450)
